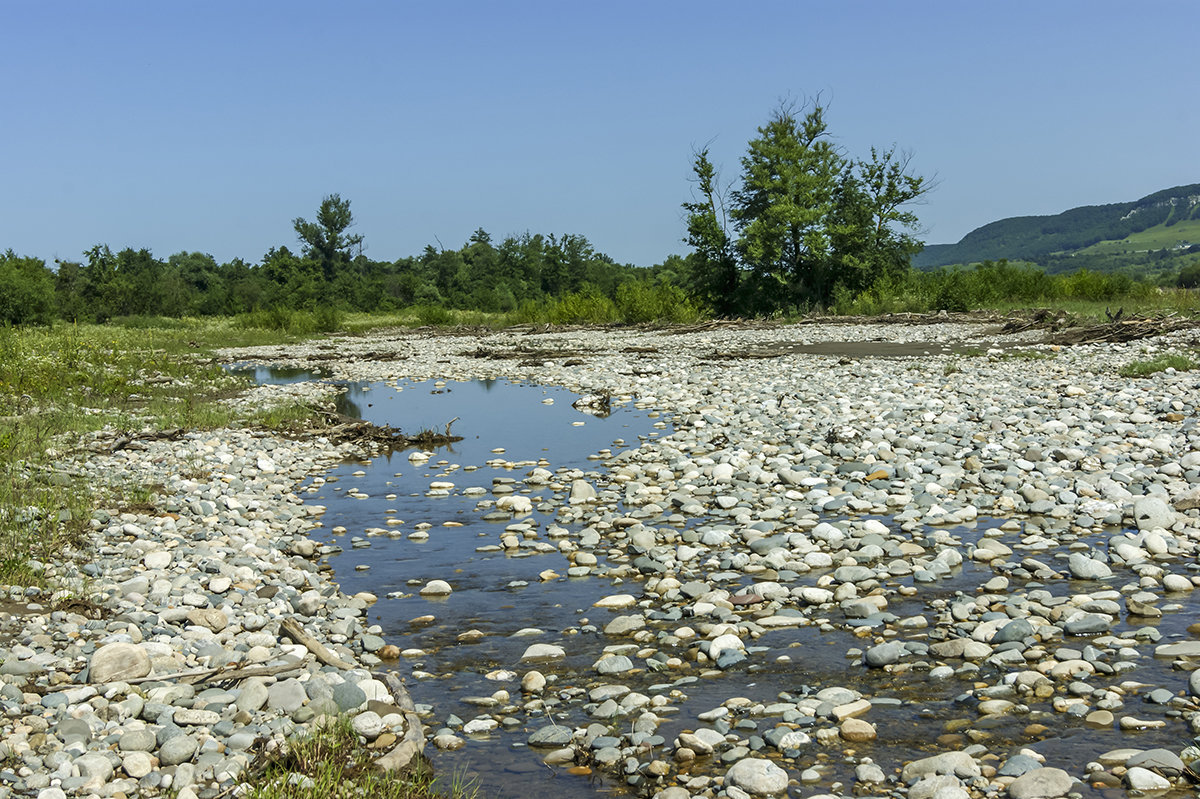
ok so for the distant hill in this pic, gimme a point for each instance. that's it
(1047, 240)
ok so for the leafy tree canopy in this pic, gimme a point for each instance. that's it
(803, 220)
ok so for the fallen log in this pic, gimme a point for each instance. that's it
(412, 743)
(292, 629)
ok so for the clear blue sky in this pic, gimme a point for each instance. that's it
(211, 125)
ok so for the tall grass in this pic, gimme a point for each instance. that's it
(637, 302)
(294, 322)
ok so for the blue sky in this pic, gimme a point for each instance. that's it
(210, 126)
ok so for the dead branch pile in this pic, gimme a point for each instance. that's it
(343, 429)
(1121, 331)
(1040, 319)
(127, 440)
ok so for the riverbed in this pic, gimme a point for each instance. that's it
(811, 557)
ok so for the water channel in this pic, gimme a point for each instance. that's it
(397, 531)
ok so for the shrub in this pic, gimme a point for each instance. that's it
(28, 291)
(433, 315)
(588, 308)
(639, 302)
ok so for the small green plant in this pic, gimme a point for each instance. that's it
(332, 763)
(1160, 363)
(951, 368)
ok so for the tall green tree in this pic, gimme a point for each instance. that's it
(872, 227)
(783, 208)
(803, 221)
(712, 273)
(326, 239)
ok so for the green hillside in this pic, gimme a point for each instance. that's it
(1178, 236)
(1112, 236)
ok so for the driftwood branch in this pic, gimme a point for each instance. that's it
(292, 629)
(412, 743)
(222, 673)
(129, 439)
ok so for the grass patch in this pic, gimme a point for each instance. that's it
(62, 382)
(1154, 238)
(332, 763)
(1160, 363)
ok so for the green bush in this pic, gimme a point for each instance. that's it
(27, 296)
(639, 302)
(1189, 277)
(583, 308)
(954, 293)
(433, 315)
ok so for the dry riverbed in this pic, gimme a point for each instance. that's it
(1003, 528)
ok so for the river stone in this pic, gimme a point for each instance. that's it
(96, 768)
(1194, 683)
(253, 695)
(349, 696)
(159, 559)
(550, 735)
(1084, 568)
(287, 695)
(534, 682)
(368, 724)
(869, 772)
(1141, 779)
(1017, 765)
(936, 785)
(1164, 761)
(613, 664)
(885, 654)
(1177, 583)
(1087, 624)
(142, 740)
(544, 652)
(857, 730)
(177, 749)
(1152, 512)
(1015, 630)
(1041, 783)
(960, 764)
(757, 777)
(137, 764)
(212, 618)
(195, 717)
(436, 588)
(581, 491)
(1182, 649)
(119, 662)
(71, 731)
(624, 625)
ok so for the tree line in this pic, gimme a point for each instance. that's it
(329, 270)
